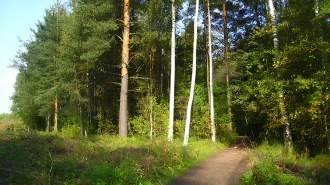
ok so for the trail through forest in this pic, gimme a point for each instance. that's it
(222, 168)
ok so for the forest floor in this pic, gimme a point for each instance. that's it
(222, 168)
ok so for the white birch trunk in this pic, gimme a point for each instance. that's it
(211, 73)
(171, 120)
(287, 132)
(193, 78)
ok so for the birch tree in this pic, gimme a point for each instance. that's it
(213, 131)
(171, 121)
(193, 78)
(124, 73)
(287, 132)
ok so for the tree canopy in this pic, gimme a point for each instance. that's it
(70, 69)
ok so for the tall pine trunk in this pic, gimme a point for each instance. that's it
(287, 131)
(213, 131)
(171, 121)
(225, 32)
(123, 113)
(193, 78)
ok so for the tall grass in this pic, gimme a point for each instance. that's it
(272, 164)
(43, 158)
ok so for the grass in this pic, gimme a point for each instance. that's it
(272, 164)
(44, 158)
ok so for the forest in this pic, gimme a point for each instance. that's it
(140, 91)
(247, 67)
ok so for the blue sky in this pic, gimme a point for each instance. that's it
(16, 19)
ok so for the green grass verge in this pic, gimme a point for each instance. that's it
(43, 158)
(273, 165)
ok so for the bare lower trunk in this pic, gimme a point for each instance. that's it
(81, 120)
(55, 113)
(151, 114)
(287, 132)
(48, 122)
(123, 113)
(151, 90)
(193, 78)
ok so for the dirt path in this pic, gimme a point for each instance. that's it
(221, 168)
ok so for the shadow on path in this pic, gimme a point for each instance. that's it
(222, 168)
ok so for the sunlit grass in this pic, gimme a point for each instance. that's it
(272, 164)
(55, 158)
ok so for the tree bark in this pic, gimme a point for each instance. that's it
(48, 122)
(225, 32)
(81, 124)
(193, 78)
(123, 113)
(213, 130)
(150, 90)
(55, 113)
(172, 88)
(287, 132)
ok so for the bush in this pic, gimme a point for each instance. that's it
(71, 130)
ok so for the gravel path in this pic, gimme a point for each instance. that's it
(221, 168)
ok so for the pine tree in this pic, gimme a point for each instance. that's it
(124, 73)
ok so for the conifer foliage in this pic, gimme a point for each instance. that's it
(73, 72)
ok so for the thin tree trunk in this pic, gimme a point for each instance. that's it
(193, 78)
(151, 113)
(55, 113)
(171, 121)
(213, 130)
(287, 132)
(230, 122)
(48, 122)
(150, 90)
(162, 74)
(55, 79)
(79, 102)
(123, 113)
(81, 120)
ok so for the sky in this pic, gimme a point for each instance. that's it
(16, 19)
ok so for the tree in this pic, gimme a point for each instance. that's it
(287, 132)
(213, 131)
(193, 78)
(124, 73)
(172, 88)
(226, 55)
(40, 60)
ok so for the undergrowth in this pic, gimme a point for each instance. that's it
(41, 158)
(272, 164)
